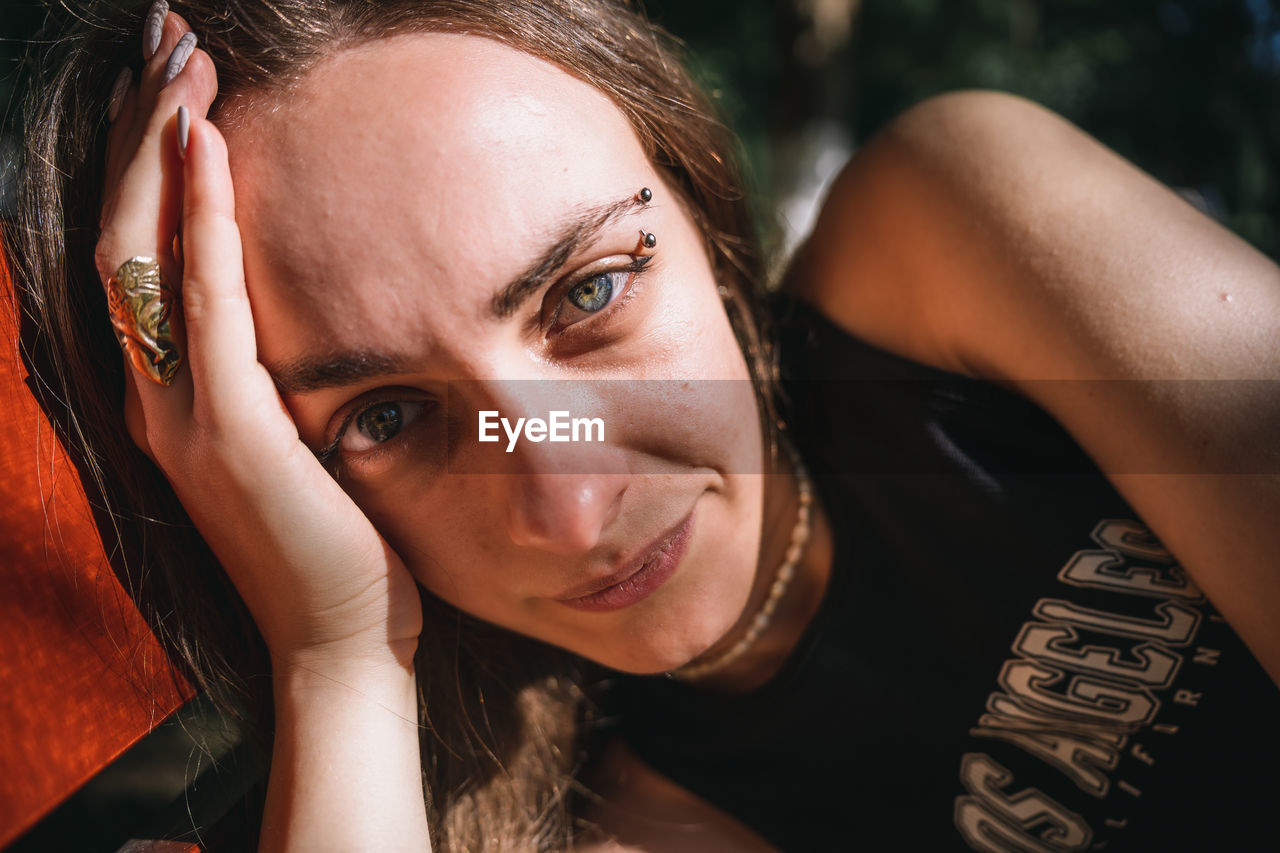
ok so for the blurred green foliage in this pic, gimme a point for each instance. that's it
(1187, 89)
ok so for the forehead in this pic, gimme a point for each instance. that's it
(420, 159)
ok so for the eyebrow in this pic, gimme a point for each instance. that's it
(336, 369)
(580, 229)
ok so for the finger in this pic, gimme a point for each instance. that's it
(152, 26)
(233, 391)
(148, 319)
(119, 88)
(120, 113)
(135, 417)
(141, 216)
(161, 33)
(143, 209)
(218, 317)
(155, 71)
(158, 417)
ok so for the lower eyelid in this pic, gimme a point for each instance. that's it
(368, 464)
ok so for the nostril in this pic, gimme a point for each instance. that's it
(615, 506)
(562, 513)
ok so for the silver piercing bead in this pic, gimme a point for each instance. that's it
(645, 194)
(648, 239)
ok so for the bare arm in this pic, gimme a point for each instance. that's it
(345, 752)
(985, 235)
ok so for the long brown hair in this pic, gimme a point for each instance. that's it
(500, 712)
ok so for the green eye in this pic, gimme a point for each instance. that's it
(381, 422)
(591, 295)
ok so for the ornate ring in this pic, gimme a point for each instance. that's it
(140, 304)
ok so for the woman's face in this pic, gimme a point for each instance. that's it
(437, 226)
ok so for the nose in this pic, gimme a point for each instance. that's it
(561, 484)
(561, 512)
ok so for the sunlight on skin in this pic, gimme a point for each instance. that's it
(493, 150)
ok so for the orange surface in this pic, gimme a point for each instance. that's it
(81, 676)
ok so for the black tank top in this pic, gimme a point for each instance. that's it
(1005, 658)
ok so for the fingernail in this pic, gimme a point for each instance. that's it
(153, 29)
(123, 79)
(178, 59)
(184, 130)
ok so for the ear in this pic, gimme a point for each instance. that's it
(134, 419)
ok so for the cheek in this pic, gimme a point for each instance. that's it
(704, 345)
(712, 410)
(444, 535)
(687, 427)
(452, 537)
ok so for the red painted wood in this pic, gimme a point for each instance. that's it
(81, 675)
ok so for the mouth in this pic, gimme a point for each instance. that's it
(638, 578)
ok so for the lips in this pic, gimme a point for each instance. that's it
(638, 578)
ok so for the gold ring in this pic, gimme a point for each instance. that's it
(140, 304)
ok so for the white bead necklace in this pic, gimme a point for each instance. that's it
(760, 622)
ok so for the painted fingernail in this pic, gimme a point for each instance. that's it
(153, 29)
(178, 59)
(118, 89)
(184, 130)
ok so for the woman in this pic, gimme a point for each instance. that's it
(447, 215)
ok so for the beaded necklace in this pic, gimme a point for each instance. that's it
(760, 622)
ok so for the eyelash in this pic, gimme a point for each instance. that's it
(633, 269)
(328, 455)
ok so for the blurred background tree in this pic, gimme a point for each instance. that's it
(1187, 89)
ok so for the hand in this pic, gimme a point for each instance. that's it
(322, 585)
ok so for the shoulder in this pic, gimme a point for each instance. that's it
(983, 233)
(898, 210)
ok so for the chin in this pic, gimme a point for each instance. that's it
(644, 664)
(663, 647)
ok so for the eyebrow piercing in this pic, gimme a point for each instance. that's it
(647, 239)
